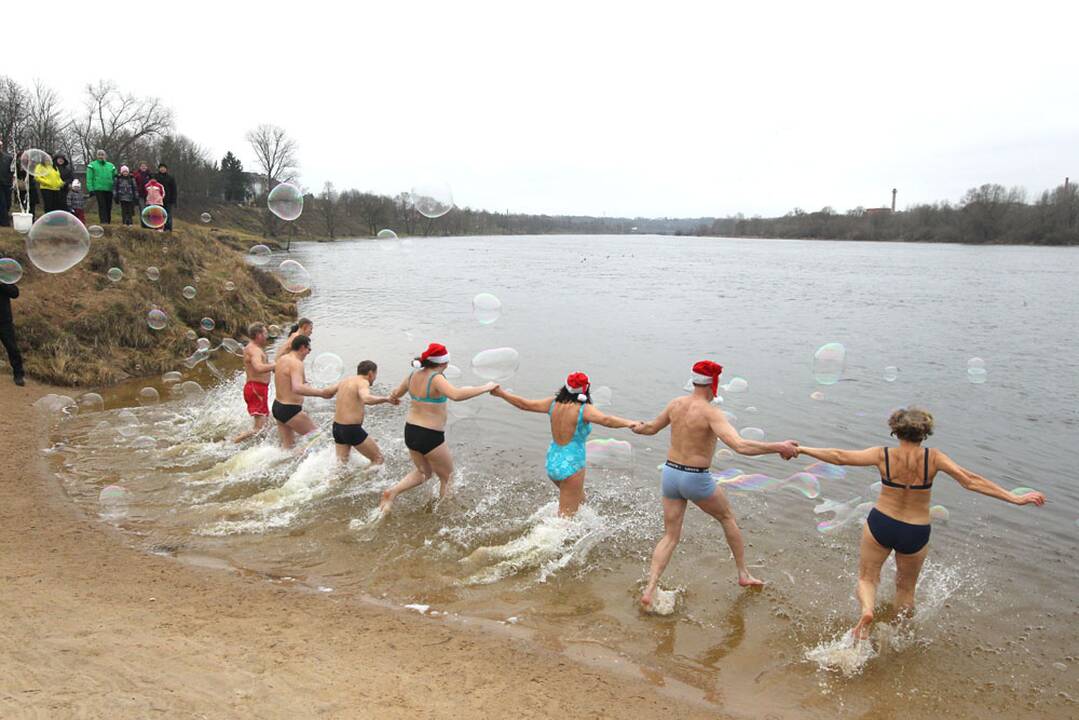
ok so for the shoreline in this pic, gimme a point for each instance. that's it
(99, 629)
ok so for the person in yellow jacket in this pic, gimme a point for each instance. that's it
(51, 185)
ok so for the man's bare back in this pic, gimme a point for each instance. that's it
(350, 404)
(693, 434)
(282, 378)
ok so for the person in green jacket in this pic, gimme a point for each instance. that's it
(100, 180)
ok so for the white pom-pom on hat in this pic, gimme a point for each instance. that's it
(416, 364)
(582, 397)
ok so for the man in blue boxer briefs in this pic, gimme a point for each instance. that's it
(695, 424)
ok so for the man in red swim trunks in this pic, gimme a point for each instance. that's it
(257, 389)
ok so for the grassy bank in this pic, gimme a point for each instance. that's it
(79, 328)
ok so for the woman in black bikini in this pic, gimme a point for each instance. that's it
(425, 434)
(900, 519)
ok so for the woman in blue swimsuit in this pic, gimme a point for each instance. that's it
(425, 425)
(572, 415)
(900, 519)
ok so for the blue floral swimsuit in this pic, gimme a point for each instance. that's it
(564, 461)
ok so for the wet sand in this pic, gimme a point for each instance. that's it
(95, 629)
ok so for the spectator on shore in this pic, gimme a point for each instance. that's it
(51, 185)
(100, 177)
(7, 180)
(126, 192)
(67, 174)
(76, 200)
(7, 330)
(169, 183)
(155, 194)
(142, 176)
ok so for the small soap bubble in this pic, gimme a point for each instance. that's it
(112, 495)
(285, 201)
(152, 273)
(327, 368)
(230, 286)
(157, 319)
(202, 344)
(155, 216)
(497, 364)
(609, 453)
(432, 199)
(602, 396)
(975, 363)
(487, 308)
(143, 442)
(190, 334)
(891, 373)
(939, 514)
(386, 235)
(171, 377)
(273, 331)
(206, 217)
(191, 390)
(95, 231)
(976, 376)
(828, 363)
(90, 402)
(127, 424)
(816, 395)
(189, 292)
(10, 271)
(293, 276)
(149, 396)
(452, 372)
(115, 274)
(752, 433)
(259, 255)
(736, 385)
(207, 324)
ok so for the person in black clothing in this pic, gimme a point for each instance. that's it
(7, 331)
(67, 174)
(126, 192)
(7, 178)
(169, 184)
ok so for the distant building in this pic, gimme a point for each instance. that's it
(882, 210)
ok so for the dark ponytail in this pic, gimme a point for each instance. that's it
(565, 396)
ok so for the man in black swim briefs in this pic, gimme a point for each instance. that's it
(290, 386)
(353, 395)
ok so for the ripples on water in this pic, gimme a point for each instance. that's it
(997, 615)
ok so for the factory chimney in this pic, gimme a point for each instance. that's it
(893, 199)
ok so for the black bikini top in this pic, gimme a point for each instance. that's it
(887, 479)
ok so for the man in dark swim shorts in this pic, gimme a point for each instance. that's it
(353, 395)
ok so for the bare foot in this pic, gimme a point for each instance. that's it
(747, 580)
(861, 630)
(386, 503)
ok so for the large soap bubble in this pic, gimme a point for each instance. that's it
(157, 319)
(386, 235)
(149, 396)
(602, 396)
(293, 276)
(487, 308)
(191, 390)
(452, 372)
(90, 402)
(736, 385)
(496, 364)
(127, 423)
(608, 453)
(259, 255)
(189, 292)
(327, 368)
(828, 363)
(58, 241)
(155, 216)
(115, 274)
(232, 346)
(10, 271)
(36, 162)
(432, 199)
(285, 201)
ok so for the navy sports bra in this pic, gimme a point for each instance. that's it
(887, 478)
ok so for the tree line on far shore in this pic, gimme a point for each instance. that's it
(133, 129)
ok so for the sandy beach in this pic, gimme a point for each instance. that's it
(95, 629)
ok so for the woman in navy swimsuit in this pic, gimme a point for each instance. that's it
(900, 519)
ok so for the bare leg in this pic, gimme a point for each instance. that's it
(420, 475)
(287, 436)
(260, 422)
(720, 508)
(370, 450)
(302, 423)
(674, 513)
(873, 555)
(571, 494)
(342, 452)
(441, 461)
(906, 579)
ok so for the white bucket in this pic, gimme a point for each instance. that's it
(22, 222)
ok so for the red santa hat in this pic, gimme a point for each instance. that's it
(578, 384)
(707, 372)
(436, 353)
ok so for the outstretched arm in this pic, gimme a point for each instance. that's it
(399, 392)
(861, 458)
(730, 437)
(368, 398)
(458, 394)
(976, 483)
(522, 403)
(654, 426)
(302, 388)
(592, 415)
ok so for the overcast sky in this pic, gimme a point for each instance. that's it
(651, 109)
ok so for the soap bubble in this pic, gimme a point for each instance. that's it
(464, 410)
(10, 271)
(111, 495)
(327, 368)
(497, 364)
(723, 455)
(1021, 491)
(191, 390)
(36, 162)
(230, 286)
(148, 396)
(736, 385)
(975, 363)
(976, 376)
(293, 276)
(207, 324)
(96, 232)
(602, 396)
(157, 319)
(891, 373)
(827, 471)
(115, 274)
(206, 217)
(805, 483)
(751, 409)
(52, 403)
(816, 395)
(386, 235)
(731, 417)
(487, 308)
(274, 331)
(285, 201)
(57, 242)
(153, 273)
(127, 424)
(155, 216)
(842, 513)
(232, 346)
(828, 363)
(452, 372)
(190, 334)
(143, 442)
(752, 433)
(189, 292)
(90, 402)
(259, 255)
(172, 376)
(939, 513)
(202, 344)
(196, 357)
(609, 453)
(432, 199)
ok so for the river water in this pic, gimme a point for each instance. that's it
(996, 627)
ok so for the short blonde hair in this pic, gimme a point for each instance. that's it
(912, 424)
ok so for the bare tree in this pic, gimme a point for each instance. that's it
(275, 153)
(328, 206)
(47, 125)
(116, 122)
(14, 108)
